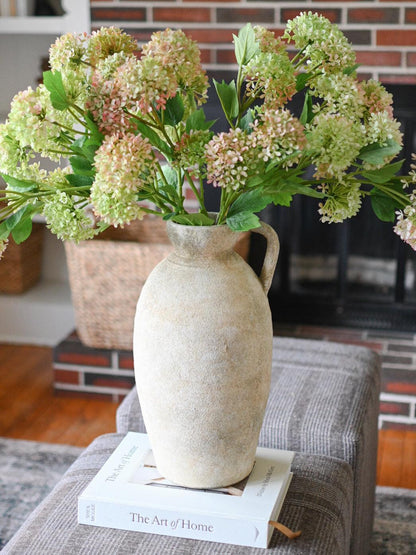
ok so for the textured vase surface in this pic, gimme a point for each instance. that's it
(202, 353)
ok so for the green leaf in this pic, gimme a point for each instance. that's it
(383, 175)
(22, 231)
(251, 201)
(193, 219)
(169, 216)
(247, 120)
(86, 147)
(20, 216)
(282, 198)
(4, 230)
(245, 44)
(243, 221)
(174, 110)
(90, 124)
(383, 206)
(375, 153)
(53, 82)
(77, 180)
(78, 145)
(300, 189)
(228, 98)
(19, 185)
(170, 174)
(13, 220)
(81, 166)
(154, 139)
(197, 121)
(301, 80)
(307, 113)
(351, 70)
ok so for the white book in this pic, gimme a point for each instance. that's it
(25, 7)
(128, 493)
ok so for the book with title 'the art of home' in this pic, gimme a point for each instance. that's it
(128, 493)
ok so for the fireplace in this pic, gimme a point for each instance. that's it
(358, 273)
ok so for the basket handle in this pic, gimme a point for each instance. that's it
(271, 256)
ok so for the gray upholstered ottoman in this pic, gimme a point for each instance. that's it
(324, 400)
(319, 502)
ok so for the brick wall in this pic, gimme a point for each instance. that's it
(383, 33)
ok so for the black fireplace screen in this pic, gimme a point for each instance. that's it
(358, 273)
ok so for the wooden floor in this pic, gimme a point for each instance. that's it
(30, 410)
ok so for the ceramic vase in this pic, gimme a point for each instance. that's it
(202, 355)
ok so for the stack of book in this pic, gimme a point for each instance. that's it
(128, 493)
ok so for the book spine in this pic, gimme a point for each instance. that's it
(173, 523)
(5, 8)
(22, 8)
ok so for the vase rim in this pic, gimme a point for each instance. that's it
(213, 226)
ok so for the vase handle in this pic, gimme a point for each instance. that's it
(271, 256)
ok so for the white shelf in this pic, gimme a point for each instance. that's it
(32, 25)
(41, 316)
(75, 20)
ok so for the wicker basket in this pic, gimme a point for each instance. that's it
(107, 274)
(21, 265)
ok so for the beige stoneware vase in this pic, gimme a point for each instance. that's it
(203, 353)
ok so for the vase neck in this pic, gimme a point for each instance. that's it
(201, 241)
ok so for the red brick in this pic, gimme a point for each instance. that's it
(394, 408)
(410, 15)
(288, 13)
(84, 359)
(116, 382)
(66, 376)
(125, 360)
(193, 15)
(411, 59)
(373, 15)
(210, 36)
(141, 35)
(364, 76)
(399, 79)
(118, 14)
(403, 388)
(226, 57)
(243, 15)
(402, 37)
(207, 56)
(379, 58)
(358, 36)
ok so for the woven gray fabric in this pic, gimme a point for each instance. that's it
(319, 502)
(324, 399)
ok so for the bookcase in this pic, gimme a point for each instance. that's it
(43, 315)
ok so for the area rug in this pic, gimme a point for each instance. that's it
(31, 469)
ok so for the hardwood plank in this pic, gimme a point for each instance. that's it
(396, 459)
(30, 410)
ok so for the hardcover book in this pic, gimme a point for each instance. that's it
(128, 493)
